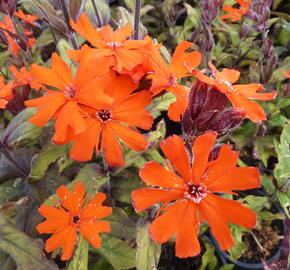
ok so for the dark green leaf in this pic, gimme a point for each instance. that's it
(26, 252)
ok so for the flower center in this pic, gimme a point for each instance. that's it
(171, 80)
(75, 220)
(104, 115)
(195, 193)
(114, 45)
(69, 91)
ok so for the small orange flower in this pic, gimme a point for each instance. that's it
(63, 103)
(71, 215)
(5, 92)
(238, 94)
(26, 17)
(165, 77)
(126, 53)
(187, 193)
(287, 74)
(117, 119)
(235, 14)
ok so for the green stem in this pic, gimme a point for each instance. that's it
(99, 21)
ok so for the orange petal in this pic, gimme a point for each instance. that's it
(226, 160)
(209, 211)
(187, 244)
(218, 211)
(56, 219)
(84, 143)
(174, 149)
(85, 28)
(48, 106)
(119, 35)
(72, 201)
(128, 59)
(253, 110)
(133, 102)
(120, 86)
(163, 227)
(229, 75)
(90, 231)
(64, 238)
(94, 208)
(250, 91)
(69, 116)
(176, 109)
(61, 69)
(112, 148)
(239, 178)
(154, 174)
(139, 118)
(131, 137)
(181, 59)
(201, 150)
(145, 197)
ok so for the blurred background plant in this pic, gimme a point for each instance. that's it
(31, 167)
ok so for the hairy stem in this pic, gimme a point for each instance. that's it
(137, 19)
(70, 31)
(99, 21)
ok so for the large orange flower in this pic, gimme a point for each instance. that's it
(187, 193)
(117, 119)
(5, 92)
(165, 77)
(238, 94)
(63, 103)
(70, 215)
(126, 53)
(235, 14)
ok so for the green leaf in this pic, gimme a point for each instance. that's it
(122, 225)
(208, 260)
(103, 10)
(161, 104)
(227, 267)
(284, 200)
(80, 256)
(62, 47)
(10, 190)
(193, 14)
(48, 154)
(256, 203)
(19, 130)
(282, 169)
(148, 252)
(237, 250)
(25, 251)
(116, 252)
(102, 264)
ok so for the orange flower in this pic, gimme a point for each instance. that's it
(24, 77)
(63, 103)
(188, 194)
(165, 77)
(235, 14)
(5, 92)
(238, 94)
(70, 215)
(8, 25)
(287, 74)
(117, 119)
(126, 53)
(26, 17)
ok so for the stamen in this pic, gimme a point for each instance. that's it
(195, 193)
(104, 115)
(114, 45)
(69, 91)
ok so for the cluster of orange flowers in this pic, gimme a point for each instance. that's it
(101, 99)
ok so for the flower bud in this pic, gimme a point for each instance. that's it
(206, 111)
